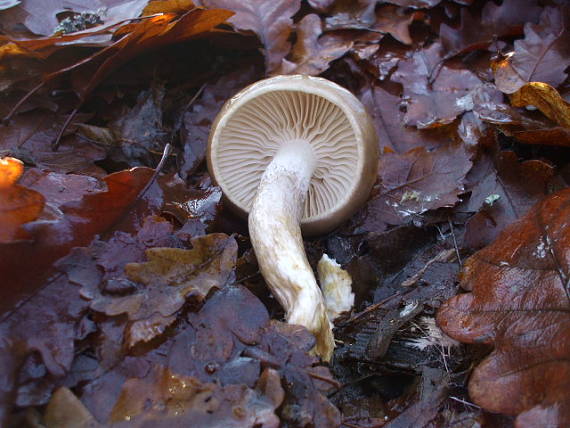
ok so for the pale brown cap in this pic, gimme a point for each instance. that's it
(253, 124)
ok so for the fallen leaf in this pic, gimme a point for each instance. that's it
(438, 103)
(140, 132)
(514, 187)
(313, 51)
(164, 398)
(414, 183)
(546, 99)
(18, 204)
(496, 21)
(29, 136)
(271, 20)
(519, 303)
(542, 56)
(78, 222)
(525, 128)
(387, 19)
(171, 276)
(386, 111)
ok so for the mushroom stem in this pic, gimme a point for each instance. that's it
(275, 232)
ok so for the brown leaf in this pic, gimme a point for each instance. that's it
(163, 398)
(167, 6)
(29, 136)
(142, 36)
(546, 99)
(414, 183)
(77, 223)
(387, 19)
(385, 109)
(171, 276)
(524, 127)
(513, 186)
(542, 56)
(18, 204)
(313, 51)
(519, 303)
(496, 21)
(269, 19)
(438, 103)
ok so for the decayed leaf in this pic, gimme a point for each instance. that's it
(504, 190)
(78, 222)
(18, 204)
(269, 19)
(414, 183)
(65, 409)
(385, 109)
(502, 20)
(546, 99)
(438, 103)
(520, 125)
(163, 398)
(520, 303)
(313, 51)
(29, 136)
(542, 56)
(171, 276)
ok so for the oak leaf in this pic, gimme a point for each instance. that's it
(542, 56)
(313, 51)
(171, 276)
(502, 20)
(519, 302)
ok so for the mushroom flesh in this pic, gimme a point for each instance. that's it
(295, 153)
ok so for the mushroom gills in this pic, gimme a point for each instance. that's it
(275, 232)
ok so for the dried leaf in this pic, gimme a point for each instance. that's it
(515, 186)
(78, 222)
(496, 21)
(414, 183)
(171, 276)
(18, 204)
(313, 51)
(164, 398)
(519, 303)
(269, 19)
(546, 99)
(438, 103)
(542, 56)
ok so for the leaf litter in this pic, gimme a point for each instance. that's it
(131, 297)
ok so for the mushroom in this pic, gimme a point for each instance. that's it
(294, 153)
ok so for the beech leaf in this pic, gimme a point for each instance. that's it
(519, 302)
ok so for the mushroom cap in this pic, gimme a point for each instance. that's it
(254, 123)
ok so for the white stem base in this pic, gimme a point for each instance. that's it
(274, 228)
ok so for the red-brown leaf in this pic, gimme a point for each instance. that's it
(520, 303)
(18, 204)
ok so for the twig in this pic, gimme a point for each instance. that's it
(455, 242)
